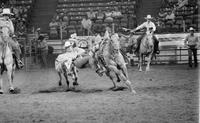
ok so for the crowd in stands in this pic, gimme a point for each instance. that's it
(80, 15)
(178, 15)
(21, 10)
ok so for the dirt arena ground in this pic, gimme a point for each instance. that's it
(166, 94)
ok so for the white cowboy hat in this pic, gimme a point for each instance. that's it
(67, 44)
(148, 17)
(6, 11)
(191, 29)
(74, 35)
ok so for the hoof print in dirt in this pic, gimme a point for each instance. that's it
(14, 91)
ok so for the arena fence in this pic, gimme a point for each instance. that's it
(172, 50)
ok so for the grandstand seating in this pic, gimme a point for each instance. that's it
(22, 11)
(76, 10)
(185, 17)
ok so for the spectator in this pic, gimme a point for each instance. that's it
(191, 42)
(53, 25)
(91, 15)
(170, 16)
(108, 16)
(43, 50)
(100, 15)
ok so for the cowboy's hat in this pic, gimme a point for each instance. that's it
(6, 11)
(67, 44)
(148, 17)
(191, 29)
(74, 36)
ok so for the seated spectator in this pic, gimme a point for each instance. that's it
(116, 13)
(162, 14)
(182, 3)
(91, 15)
(66, 18)
(53, 25)
(170, 16)
(100, 15)
(108, 16)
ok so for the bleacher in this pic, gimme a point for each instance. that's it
(76, 10)
(185, 17)
(22, 11)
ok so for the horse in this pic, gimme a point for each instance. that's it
(146, 48)
(114, 61)
(67, 68)
(7, 63)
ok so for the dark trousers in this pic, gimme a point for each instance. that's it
(192, 50)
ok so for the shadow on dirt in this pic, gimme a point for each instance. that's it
(77, 90)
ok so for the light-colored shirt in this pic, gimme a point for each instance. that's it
(147, 25)
(6, 26)
(191, 40)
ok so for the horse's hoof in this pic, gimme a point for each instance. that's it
(118, 80)
(60, 84)
(140, 70)
(1, 92)
(75, 84)
(133, 92)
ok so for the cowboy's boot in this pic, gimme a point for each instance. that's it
(20, 64)
(156, 45)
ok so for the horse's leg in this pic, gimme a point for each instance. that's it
(122, 76)
(67, 81)
(10, 77)
(1, 85)
(118, 79)
(112, 79)
(148, 63)
(74, 76)
(60, 78)
(140, 62)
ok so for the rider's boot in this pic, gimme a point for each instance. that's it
(156, 45)
(20, 64)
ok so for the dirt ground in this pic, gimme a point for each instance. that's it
(166, 94)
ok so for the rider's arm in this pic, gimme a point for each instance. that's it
(11, 27)
(154, 27)
(140, 27)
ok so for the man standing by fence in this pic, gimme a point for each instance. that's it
(191, 42)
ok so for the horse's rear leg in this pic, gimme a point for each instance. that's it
(123, 77)
(75, 76)
(1, 85)
(112, 79)
(60, 79)
(67, 81)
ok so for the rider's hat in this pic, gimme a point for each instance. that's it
(67, 44)
(191, 29)
(6, 11)
(74, 36)
(148, 17)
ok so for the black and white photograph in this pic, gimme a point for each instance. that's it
(99, 61)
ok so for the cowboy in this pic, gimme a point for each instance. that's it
(7, 31)
(73, 39)
(191, 42)
(70, 54)
(150, 28)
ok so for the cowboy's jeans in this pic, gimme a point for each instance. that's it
(192, 50)
(15, 47)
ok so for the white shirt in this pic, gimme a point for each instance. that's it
(148, 25)
(6, 27)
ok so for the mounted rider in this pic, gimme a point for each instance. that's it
(150, 28)
(7, 31)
